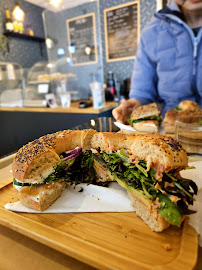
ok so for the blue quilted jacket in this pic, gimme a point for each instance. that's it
(168, 64)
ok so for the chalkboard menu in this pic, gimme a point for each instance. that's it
(122, 31)
(82, 39)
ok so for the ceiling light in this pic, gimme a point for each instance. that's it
(18, 13)
(49, 43)
(88, 50)
(55, 3)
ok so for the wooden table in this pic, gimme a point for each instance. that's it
(20, 252)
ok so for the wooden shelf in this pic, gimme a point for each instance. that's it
(25, 37)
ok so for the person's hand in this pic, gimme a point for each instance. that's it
(123, 111)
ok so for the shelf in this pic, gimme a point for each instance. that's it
(24, 36)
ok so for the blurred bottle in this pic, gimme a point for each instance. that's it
(111, 83)
(20, 27)
(15, 27)
(28, 30)
(8, 22)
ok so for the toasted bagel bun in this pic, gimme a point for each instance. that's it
(188, 104)
(42, 154)
(158, 150)
(172, 115)
(40, 197)
(145, 111)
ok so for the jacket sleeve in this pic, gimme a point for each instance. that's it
(144, 79)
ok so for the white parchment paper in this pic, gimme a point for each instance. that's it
(91, 199)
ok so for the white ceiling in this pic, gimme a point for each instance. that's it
(65, 4)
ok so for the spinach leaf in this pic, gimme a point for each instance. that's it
(168, 210)
(154, 117)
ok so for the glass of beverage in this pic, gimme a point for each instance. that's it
(188, 131)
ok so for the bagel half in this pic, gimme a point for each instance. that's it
(37, 160)
(148, 167)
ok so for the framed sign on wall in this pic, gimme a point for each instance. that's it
(81, 33)
(122, 29)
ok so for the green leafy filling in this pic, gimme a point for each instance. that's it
(75, 171)
(154, 117)
(177, 108)
(168, 210)
(135, 176)
(82, 170)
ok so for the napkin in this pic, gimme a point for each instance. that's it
(124, 127)
(130, 128)
(84, 198)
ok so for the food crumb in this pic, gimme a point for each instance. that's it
(167, 247)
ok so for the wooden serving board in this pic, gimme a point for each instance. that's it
(105, 240)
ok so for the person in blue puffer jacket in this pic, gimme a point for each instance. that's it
(168, 64)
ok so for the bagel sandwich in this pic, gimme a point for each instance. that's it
(146, 118)
(187, 105)
(42, 168)
(148, 167)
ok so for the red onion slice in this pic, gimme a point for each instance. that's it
(74, 151)
(70, 157)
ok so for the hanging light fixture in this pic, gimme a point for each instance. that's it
(18, 13)
(55, 3)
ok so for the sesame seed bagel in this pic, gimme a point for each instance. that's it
(110, 141)
(145, 111)
(36, 161)
(159, 151)
(41, 154)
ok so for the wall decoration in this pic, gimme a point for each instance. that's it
(122, 28)
(82, 39)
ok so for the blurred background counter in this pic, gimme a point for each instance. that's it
(21, 125)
